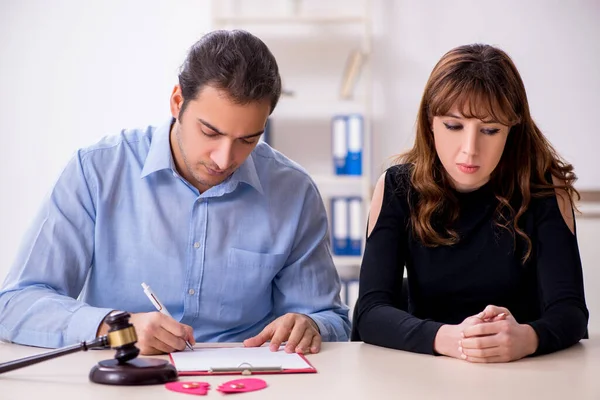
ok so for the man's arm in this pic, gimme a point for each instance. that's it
(38, 297)
(309, 283)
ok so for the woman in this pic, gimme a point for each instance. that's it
(480, 213)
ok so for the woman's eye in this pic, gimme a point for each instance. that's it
(490, 131)
(452, 127)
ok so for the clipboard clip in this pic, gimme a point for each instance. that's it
(244, 369)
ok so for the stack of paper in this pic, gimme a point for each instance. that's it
(235, 359)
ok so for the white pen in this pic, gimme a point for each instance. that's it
(159, 306)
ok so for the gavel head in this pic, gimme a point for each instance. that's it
(122, 336)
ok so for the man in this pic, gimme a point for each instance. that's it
(230, 234)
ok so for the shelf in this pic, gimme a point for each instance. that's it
(340, 185)
(284, 20)
(588, 209)
(347, 261)
(323, 179)
(348, 267)
(318, 107)
(314, 47)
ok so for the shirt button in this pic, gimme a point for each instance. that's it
(196, 245)
(191, 291)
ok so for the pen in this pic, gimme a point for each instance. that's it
(159, 306)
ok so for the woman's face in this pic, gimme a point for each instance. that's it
(468, 148)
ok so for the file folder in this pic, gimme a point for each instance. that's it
(339, 221)
(355, 128)
(352, 71)
(339, 139)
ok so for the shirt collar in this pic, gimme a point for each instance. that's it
(247, 174)
(159, 156)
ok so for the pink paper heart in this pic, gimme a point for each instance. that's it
(242, 385)
(197, 388)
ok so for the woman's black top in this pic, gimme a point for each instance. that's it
(450, 283)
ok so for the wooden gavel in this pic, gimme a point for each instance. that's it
(124, 369)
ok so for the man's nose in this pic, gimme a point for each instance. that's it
(223, 155)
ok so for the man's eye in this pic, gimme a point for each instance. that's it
(209, 134)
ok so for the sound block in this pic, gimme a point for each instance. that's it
(139, 371)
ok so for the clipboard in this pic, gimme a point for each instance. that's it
(239, 361)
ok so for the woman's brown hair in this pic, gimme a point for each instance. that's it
(483, 82)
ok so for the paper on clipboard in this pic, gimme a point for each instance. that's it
(235, 360)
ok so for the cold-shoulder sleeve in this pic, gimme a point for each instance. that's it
(560, 280)
(379, 320)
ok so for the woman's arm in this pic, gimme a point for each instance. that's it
(378, 320)
(560, 277)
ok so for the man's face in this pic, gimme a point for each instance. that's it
(214, 136)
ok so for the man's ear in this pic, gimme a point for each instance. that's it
(176, 101)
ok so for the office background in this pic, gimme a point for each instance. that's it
(72, 72)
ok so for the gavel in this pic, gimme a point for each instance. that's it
(124, 369)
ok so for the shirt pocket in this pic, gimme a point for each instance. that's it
(247, 286)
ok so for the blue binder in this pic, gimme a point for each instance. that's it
(355, 128)
(339, 143)
(355, 225)
(339, 226)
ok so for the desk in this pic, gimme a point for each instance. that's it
(345, 371)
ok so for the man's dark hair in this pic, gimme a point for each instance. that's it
(234, 61)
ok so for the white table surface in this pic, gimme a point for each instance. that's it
(345, 371)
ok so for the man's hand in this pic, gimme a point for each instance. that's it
(157, 333)
(501, 339)
(300, 332)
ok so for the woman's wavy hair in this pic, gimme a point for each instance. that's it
(482, 82)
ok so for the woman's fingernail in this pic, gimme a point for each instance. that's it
(460, 349)
(501, 315)
(480, 315)
(460, 343)
(313, 350)
(462, 334)
(464, 357)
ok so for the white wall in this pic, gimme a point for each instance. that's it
(72, 71)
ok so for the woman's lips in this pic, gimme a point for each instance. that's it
(468, 168)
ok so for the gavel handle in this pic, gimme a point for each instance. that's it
(102, 341)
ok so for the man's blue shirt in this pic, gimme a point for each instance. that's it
(226, 262)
